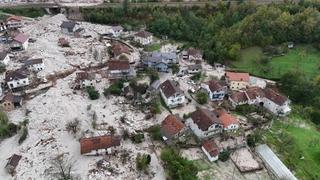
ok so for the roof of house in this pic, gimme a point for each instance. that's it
(119, 48)
(14, 160)
(169, 88)
(21, 38)
(204, 118)
(155, 84)
(143, 34)
(63, 41)
(33, 61)
(16, 74)
(215, 85)
(83, 75)
(194, 52)
(68, 24)
(171, 125)
(98, 142)
(239, 97)
(226, 118)
(3, 54)
(158, 57)
(194, 67)
(12, 98)
(15, 18)
(118, 65)
(211, 147)
(237, 76)
(274, 96)
(254, 92)
(117, 28)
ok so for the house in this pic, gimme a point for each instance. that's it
(143, 37)
(172, 128)
(193, 54)
(12, 163)
(16, 79)
(216, 90)
(237, 81)
(229, 122)
(254, 95)
(84, 79)
(99, 144)
(160, 61)
(67, 27)
(172, 95)
(275, 102)
(20, 42)
(211, 150)
(14, 22)
(238, 98)
(116, 31)
(195, 68)
(154, 86)
(10, 102)
(204, 123)
(4, 57)
(62, 42)
(121, 51)
(120, 69)
(3, 26)
(35, 65)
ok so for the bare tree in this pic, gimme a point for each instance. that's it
(62, 168)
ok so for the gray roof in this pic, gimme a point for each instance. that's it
(33, 61)
(68, 24)
(3, 54)
(155, 84)
(16, 74)
(274, 164)
(160, 57)
(194, 66)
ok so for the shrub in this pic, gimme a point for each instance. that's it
(73, 126)
(143, 161)
(197, 76)
(93, 93)
(2, 68)
(153, 74)
(155, 133)
(137, 138)
(175, 68)
(224, 155)
(202, 97)
(114, 89)
(23, 135)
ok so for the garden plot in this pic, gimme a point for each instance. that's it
(245, 161)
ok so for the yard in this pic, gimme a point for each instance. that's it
(298, 146)
(303, 57)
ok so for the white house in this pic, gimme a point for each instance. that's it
(204, 123)
(195, 68)
(229, 122)
(172, 95)
(84, 79)
(14, 22)
(216, 90)
(16, 79)
(20, 42)
(237, 81)
(275, 102)
(192, 54)
(98, 145)
(143, 37)
(211, 150)
(116, 31)
(35, 65)
(4, 58)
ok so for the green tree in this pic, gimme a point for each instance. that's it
(92, 92)
(143, 161)
(202, 97)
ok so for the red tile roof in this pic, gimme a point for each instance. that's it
(236, 76)
(226, 118)
(172, 125)
(211, 147)
(274, 96)
(204, 118)
(239, 97)
(21, 38)
(100, 142)
(118, 65)
(255, 92)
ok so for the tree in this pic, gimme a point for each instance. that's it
(224, 155)
(143, 161)
(92, 92)
(114, 89)
(125, 6)
(175, 68)
(73, 126)
(62, 168)
(202, 97)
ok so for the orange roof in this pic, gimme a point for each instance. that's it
(226, 118)
(100, 142)
(236, 76)
(211, 147)
(16, 18)
(171, 125)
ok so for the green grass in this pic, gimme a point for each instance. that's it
(27, 12)
(303, 57)
(153, 47)
(298, 147)
(202, 164)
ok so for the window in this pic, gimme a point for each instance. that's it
(24, 82)
(11, 85)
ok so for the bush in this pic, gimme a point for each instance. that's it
(315, 117)
(175, 68)
(2, 68)
(73, 126)
(202, 97)
(23, 135)
(224, 155)
(137, 138)
(114, 89)
(155, 133)
(6, 129)
(197, 76)
(93, 93)
(153, 74)
(143, 161)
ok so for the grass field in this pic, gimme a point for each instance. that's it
(303, 57)
(298, 147)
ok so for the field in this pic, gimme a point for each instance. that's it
(298, 145)
(303, 57)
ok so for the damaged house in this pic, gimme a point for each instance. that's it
(120, 70)
(98, 145)
(10, 102)
(84, 79)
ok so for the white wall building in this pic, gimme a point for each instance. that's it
(35, 65)
(16, 79)
(143, 37)
(172, 95)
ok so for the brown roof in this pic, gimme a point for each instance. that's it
(171, 125)
(63, 41)
(169, 88)
(215, 85)
(237, 76)
(16, 74)
(85, 75)
(100, 142)
(255, 92)
(15, 18)
(21, 38)
(226, 118)
(12, 98)
(143, 34)
(194, 52)
(14, 160)
(3, 54)
(119, 48)
(274, 96)
(239, 97)
(204, 118)
(211, 147)
(118, 65)
(33, 61)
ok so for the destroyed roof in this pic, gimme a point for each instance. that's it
(274, 96)
(33, 61)
(169, 88)
(118, 65)
(100, 142)
(225, 118)
(119, 48)
(3, 54)
(13, 160)
(68, 24)
(21, 38)
(171, 125)
(215, 85)
(12, 98)
(194, 67)
(237, 76)
(16, 74)
(85, 75)
(239, 97)
(194, 52)
(211, 147)
(204, 118)
(143, 34)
